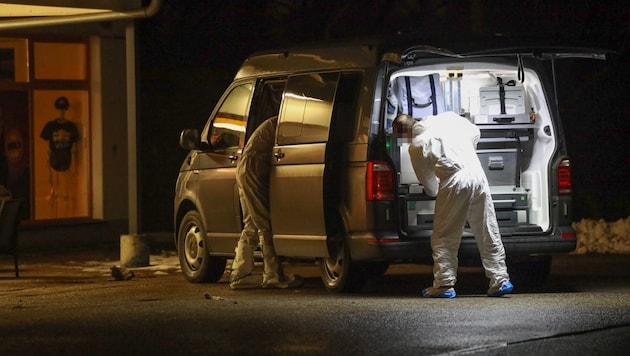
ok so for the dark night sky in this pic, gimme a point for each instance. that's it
(192, 48)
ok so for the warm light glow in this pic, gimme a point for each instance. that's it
(301, 97)
(229, 124)
(14, 10)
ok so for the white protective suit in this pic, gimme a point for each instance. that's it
(444, 158)
(252, 177)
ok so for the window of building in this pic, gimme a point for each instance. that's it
(45, 126)
(13, 60)
(63, 61)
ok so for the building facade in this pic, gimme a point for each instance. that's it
(68, 113)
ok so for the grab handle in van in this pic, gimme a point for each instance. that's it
(504, 119)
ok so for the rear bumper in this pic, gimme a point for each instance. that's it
(562, 241)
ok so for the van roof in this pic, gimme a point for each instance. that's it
(309, 58)
(355, 55)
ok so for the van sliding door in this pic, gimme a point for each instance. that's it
(296, 182)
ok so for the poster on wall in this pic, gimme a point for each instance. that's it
(7, 64)
(61, 135)
(60, 157)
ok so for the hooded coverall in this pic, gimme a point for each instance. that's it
(444, 158)
(252, 177)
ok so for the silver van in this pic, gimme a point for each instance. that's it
(343, 192)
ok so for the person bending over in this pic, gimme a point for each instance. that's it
(252, 178)
(444, 158)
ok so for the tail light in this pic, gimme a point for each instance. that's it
(380, 181)
(564, 177)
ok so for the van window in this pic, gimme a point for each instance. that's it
(307, 108)
(228, 126)
(265, 102)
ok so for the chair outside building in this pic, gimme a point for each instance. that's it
(9, 221)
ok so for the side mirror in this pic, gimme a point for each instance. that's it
(189, 139)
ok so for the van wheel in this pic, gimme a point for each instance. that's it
(339, 272)
(192, 247)
(529, 272)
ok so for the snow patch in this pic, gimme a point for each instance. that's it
(600, 236)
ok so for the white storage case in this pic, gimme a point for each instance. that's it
(490, 102)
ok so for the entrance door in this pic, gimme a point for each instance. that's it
(14, 146)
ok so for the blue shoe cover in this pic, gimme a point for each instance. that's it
(506, 288)
(444, 292)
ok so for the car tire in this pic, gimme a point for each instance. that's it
(339, 272)
(193, 251)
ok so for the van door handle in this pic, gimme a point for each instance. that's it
(278, 155)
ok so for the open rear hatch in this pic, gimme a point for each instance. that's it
(506, 94)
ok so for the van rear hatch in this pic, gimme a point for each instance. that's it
(511, 98)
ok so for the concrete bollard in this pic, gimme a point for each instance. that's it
(134, 250)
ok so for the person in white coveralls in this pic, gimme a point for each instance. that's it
(443, 155)
(252, 177)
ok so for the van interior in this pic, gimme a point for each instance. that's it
(516, 145)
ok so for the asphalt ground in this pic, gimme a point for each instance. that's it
(59, 265)
(68, 299)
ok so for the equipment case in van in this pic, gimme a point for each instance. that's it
(502, 104)
(491, 102)
(419, 96)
